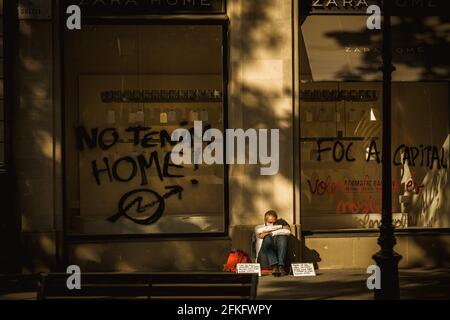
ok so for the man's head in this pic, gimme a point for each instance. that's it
(270, 217)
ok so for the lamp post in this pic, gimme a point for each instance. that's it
(387, 259)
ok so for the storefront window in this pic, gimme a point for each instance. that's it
(127, 88)
(420, 140)
(420, 114)
(340, 137)
(340, 122)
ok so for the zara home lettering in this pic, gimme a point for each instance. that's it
(363, 4)
(186, 3)
(319, 4)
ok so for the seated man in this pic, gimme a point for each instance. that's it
(272, 241)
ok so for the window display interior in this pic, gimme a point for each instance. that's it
(341, 123)
(127, 89)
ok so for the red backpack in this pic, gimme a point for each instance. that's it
(235, 257)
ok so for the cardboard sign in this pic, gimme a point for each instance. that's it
(249, 268)
(303, 269)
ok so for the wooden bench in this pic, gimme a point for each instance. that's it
(150, 286)
(17, 283)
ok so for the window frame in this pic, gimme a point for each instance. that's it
(11, 221)
(218, 19)
(362, 231)
(339, 231)
(5, 142)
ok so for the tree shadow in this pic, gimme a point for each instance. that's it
(419, 45)
(351, 285)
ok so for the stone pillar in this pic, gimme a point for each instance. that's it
(36, 152)
(261, 87)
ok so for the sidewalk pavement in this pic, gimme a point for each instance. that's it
(337, 284)
(350, 284)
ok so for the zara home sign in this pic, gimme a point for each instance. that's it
(342, 4)
(398, 7)
(34, 9)
(144, 7)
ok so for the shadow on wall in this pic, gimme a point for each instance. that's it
(296, 253)
(34, 143)
(426, 37)
(310, 255)
(434, 251)
(151, 256)
(257, 36)
(38, 253)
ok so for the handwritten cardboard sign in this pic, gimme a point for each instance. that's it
(249, 268)
(303, 269)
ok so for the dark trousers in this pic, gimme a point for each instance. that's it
(273, 251)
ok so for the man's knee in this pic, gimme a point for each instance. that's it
(282, 239)
(281, 242)
(268, 241)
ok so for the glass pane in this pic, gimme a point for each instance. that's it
(340, 48)
(420, 139)
(340, 123)
(341, 190)
(136, 85)
(340, 136)
(420, 110)
(421, 48)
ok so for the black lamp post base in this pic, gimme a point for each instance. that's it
(388, 264)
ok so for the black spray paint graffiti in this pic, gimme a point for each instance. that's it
(136, 196)
(421, 156)
(147, 139)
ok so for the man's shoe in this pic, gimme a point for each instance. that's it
(276, 271)
(282, 271)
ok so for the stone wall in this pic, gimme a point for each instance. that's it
(333, 252)
(36, 145)
(261, 97)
